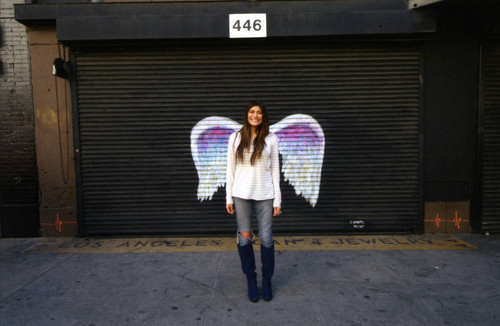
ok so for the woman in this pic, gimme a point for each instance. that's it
(253, 182)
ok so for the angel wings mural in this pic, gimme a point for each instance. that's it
(301, 145)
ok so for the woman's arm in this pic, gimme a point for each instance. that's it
(230, 174)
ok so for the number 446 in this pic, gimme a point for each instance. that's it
(248, 25)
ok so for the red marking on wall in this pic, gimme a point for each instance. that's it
(457, 220)
(58, 223)
(437, 220)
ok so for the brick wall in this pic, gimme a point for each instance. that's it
(18, 173)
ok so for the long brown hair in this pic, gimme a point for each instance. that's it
(246, 134)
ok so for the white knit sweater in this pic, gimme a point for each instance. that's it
(260, 181)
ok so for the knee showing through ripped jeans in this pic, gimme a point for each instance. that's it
(244, 238)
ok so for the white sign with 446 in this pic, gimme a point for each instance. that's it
(247, 25)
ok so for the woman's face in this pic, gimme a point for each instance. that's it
(255, 116)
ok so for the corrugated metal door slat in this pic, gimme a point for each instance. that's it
(491, 138)
(136, 109)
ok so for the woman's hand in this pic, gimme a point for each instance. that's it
(230, 208)
(277, 211)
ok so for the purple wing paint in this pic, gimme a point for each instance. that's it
(213, 139)
(209, 140)
(302, 146)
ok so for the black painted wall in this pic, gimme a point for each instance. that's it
(451, 86)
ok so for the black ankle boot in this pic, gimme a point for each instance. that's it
(267, 258)
(248, 266)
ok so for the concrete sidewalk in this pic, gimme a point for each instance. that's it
(321, 287)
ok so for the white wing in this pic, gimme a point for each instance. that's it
(209, 138)
(302, 146)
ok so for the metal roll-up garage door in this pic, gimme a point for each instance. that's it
(136, 107)
(491, 137)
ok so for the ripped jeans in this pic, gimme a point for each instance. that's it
(264, 212)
